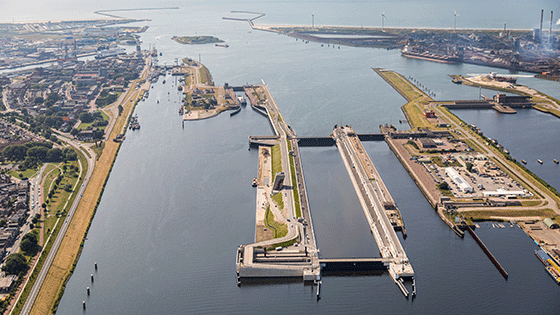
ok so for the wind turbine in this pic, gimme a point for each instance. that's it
(455, 15)
(313, 21)
(383, 17)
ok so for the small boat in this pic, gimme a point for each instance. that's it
(163, 82)
(540, 161)
(555, 161)
(524, 162)
(254, 183)
(457, 81)
(222, 45)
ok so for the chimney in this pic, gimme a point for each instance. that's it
(540, 29)
(550, 30)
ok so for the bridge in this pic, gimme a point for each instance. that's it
(373, 194)
(330, 141)
(353, 264)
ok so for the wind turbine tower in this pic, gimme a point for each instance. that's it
(312, 21)
(455, 15)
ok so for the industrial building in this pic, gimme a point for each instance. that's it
(550, 224)
(458, 180)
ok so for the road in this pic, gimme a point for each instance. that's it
(64, 227)
(490, 153)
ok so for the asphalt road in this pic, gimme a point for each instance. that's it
(64, 227)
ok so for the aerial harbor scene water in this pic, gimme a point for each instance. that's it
(305, 157)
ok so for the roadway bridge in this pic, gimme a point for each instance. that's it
(371, 137)
(353, 264)
(330, 141)
(316, 141)
(372, 195)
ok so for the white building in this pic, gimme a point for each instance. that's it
(506, 193)
(458, 180)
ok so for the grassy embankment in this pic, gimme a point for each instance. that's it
(66, 259)
(413, 109)
(55, 204)
(487, 215)
(280, 230)
(294, 183)
(205, 76)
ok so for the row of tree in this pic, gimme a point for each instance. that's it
(31, 154)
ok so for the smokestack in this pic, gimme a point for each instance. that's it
(550, 30)
(540, 29)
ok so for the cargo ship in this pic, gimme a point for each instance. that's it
(410, 52)
(498, 78)
(550, 266)
(110, 52)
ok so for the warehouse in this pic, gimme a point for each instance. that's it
(458, 180)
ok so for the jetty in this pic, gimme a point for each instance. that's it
(379, 207)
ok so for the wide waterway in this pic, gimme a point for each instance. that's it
(179, 201)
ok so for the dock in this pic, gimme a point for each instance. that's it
(378, 206)
(294, 255)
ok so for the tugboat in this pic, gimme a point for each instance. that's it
(556, 161)
(524, 162)
(254, 183)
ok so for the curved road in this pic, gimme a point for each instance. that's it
(60, 236)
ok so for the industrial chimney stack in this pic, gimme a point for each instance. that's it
(540, 29)
(550, 30)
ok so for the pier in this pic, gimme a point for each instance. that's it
(377, 205)
(294, 255)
